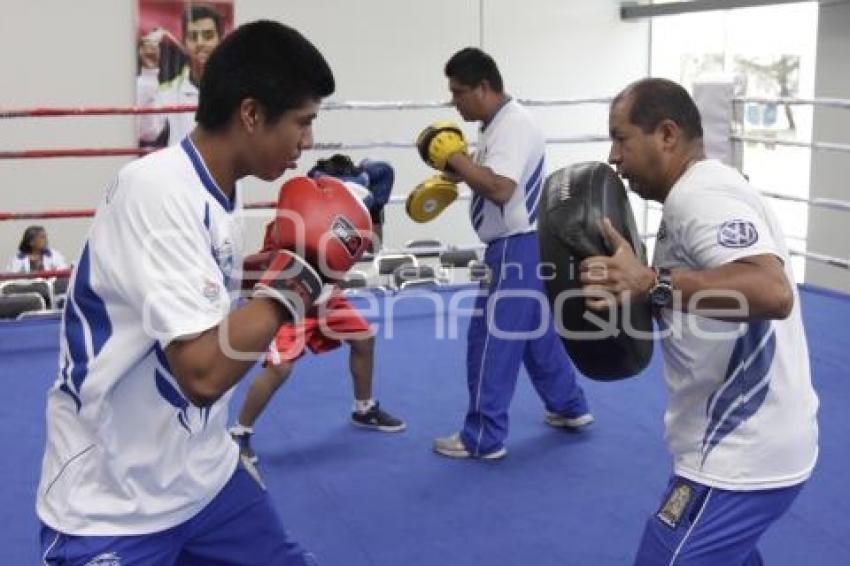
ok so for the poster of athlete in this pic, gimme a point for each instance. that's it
(175, 39)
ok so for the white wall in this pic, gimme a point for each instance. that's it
(62, 54)
(829, 230)
(82, 53)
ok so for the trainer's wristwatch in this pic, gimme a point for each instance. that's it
(661, 294)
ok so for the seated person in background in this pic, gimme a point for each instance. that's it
(372, 182)
(34, 255)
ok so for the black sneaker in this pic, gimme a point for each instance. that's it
(377, 419)
(243, 439)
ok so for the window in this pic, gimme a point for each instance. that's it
(770, 52)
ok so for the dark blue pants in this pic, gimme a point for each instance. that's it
(514, 326)
(697, 525)
(238, 527)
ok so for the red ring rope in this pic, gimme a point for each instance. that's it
(94, 111)
(82, 152)
(81, 213)
(36, 274)
(89, 212)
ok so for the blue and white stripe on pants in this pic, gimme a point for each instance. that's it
(515, 326)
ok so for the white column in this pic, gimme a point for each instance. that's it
(829, 231)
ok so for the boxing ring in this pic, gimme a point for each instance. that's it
(358, 498)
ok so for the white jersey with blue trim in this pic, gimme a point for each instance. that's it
(511, 145)
(742, 410)
(127, 453)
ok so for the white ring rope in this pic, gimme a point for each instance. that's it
(818, 202)
(429, 250)
(834, 204)
(833, 102)
(828, 146)
(829, 260)
(327, 146)
(822, 258)
(409, 105)
(385, 105)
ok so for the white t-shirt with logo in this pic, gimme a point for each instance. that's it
(511, 145)
(126, 452)
(742, 410)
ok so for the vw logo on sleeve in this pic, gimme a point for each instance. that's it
(737, 234)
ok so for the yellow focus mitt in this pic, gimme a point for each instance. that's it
(438, 141)
(430, 198)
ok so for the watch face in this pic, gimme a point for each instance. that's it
(662, 295)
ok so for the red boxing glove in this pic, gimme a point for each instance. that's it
(324, 222)
(269, 243)
(283, 276)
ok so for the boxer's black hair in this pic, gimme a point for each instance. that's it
(470, 66)
(338, 165)
(267, 61)
(654, 100)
